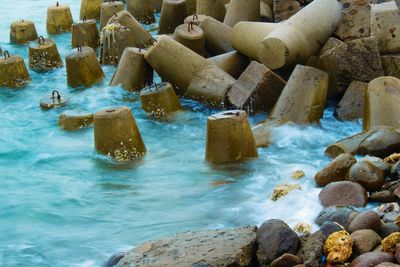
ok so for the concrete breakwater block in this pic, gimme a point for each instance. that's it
(351, 106)
(75, 122)
(354, 60)
(227, 247)
(284, 9)
(53, 100)
(391, 65)
(191, 36)
(195, 19)
(349, 145)
(85, 33)
(43, 55)
(233, 63)
(13, 71)
(229, 137)
(257, 89)
(90, 9)
(133, 71)
(217, 36)
(83, 68)
(173, 13)
(382, 103)
(22, 31)
(108, 9)
(159, 100)
(239, 10)
(59, 19)
(302, 35)
(117, 135)
(142, 10)
(213, 8)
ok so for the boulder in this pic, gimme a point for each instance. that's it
(388, 264)
(366, 220)
(227, 247)
(351, 106)
(347, 145)
(372, 259)
(286, 260)
(328, 228)
(338, 215)
(311, 248)
(335, 171)
(365, 240)
(384, 196)
(275, 238)
(378, 162)
(388, 229)
(368, 175)
(382, 142)
(343, 193)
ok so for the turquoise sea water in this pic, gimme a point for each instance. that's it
(62, 204)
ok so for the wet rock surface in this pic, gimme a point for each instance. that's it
(343, 194)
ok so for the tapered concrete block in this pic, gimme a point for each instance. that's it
(257, 89)
(329, 44)
(382, 103)
(22, 31)
(284, 9)
(391, 65)
(301, 36)
(133, 72)
(195, 19)
(59, 19)
(43, 55)
(13, 72)
(212, 8)
(191, 36)
(157, 4)
(191, 7)
(354, 60)
(217, 36)
(85, 34)
(347, 145)
(117, 135)
(142, 10)
(266, 13)
(247, 36)
(83, 68)
(159, 100)
(385, 26)
(233, 63)
(356, 21)
(173, 13)
(109, 9)
(351, 106)
(242, 10)
(90, 9)
(53, 100)
(75, 122)
(229, 138)
(174, 62)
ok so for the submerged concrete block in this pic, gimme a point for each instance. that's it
(59, 19)
(13, 72)
(22, 31)
(159, 100)
(43, 55)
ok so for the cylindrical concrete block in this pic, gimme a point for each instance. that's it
(212, 8)
(218, 36)
(142, 10)
(13, 72)
(233, 63)
(242, 10)
(191, 7)
(117, 135)
(133, 72)
(22, 31)
(75, 122)
(382, 99)
(266, 14)
(53, 100)
(157, 4)
(303, 98)
(159, 100)
(90, 9)
(43, 55)
(59, 19)
(303, 35)
(347, 145)
(247, 37)
(108, 10)
(229, 138)
(173, 13)
(85, 34)
(195, 19)
(83, 68)
(140, 35)
(191, 36)
(174, 62)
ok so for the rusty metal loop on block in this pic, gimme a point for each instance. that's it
(79, 48)
(190, 26)
(55, 94)
(6, 54)
(58, 4)
(84, 19)
(195, 17)
(115, 14)
(41, 40)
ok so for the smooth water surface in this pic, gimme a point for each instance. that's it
(61, 204)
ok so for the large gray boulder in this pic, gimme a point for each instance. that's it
(227, 247)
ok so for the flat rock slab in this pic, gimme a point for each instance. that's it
(228, 247)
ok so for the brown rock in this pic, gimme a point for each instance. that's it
(366, 220)
(336, 170)
(381, 142)
(351, 106)
(372, 259)
(388, 229)
(286, 260)
(228, 247)
(354, 60)
(384, 196)
(343, 194)
(397, 255)
(368, 175)
(365, 240)
(311, 248)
